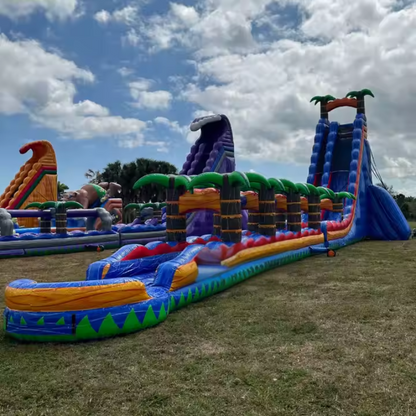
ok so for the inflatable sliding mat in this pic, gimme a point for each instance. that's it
(36, 181)
(139, 286)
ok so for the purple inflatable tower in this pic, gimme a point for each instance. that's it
(213, 151)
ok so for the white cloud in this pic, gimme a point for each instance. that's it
(128, 15)
(260, 61)
(125, 72)
(266, 92)
(103, 16)
(139, 141)
(42, 85)
(143, 98)
(132, 37)
(53, 9)
(171, 125)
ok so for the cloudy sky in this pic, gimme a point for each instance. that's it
(120, 79)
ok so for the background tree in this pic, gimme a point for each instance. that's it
(93, 176)
(128, 174)
(62, 188)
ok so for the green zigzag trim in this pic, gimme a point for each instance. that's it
(108, 327)
(22, 321)
(182, 301)
(84, 329)
(131, 323)
(150, 318)
(162, 313)
(41, 321)
(189, 298)
(61, 321)
(172, 304)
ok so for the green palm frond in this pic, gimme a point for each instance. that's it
(133, 206)
(277, 185)
(33, 205)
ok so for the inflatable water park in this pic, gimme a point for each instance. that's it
(220, 227)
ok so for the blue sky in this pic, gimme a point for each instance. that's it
(110, 80)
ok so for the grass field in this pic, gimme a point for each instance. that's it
(318, 337)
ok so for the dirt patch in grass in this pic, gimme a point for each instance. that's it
(317, 337)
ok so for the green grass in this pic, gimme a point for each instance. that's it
(318, 337)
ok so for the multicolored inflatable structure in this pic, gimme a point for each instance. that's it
(36, 181)
(91, 216)
(138, 286)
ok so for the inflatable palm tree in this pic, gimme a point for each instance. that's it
(230, 185)
(294, 215)
(267, 204)
(323, 100)
(61, 215)
(175, 187)
(359, 95)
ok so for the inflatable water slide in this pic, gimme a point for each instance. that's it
(36, 181)
(140, 285)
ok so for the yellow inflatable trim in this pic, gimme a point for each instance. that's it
(185, 275)
(75, 298)
(272, 249)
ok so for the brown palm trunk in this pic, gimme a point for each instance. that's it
(60, 219)
(281, 220)
(360, 105)
(324, 111)
(45, 225)
(217, 225)
(314, 212)
(267, 212)
(231, 219)
(175, 222)
(294, 219)
(253, 221)
(337, 205)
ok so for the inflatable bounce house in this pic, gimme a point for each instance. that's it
(140, 285)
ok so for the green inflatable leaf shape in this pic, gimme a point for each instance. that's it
(41, 321)
(108, 327)
(84, 330)
(22, 321)
(131, 323)
(162, 313)
(196, 295)
(182, 301)
(203, 291)
(61, 321)
(150, 318)
(209, 289)
(189, 298)
(258, 178)
(172, 303)
(11, 320)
